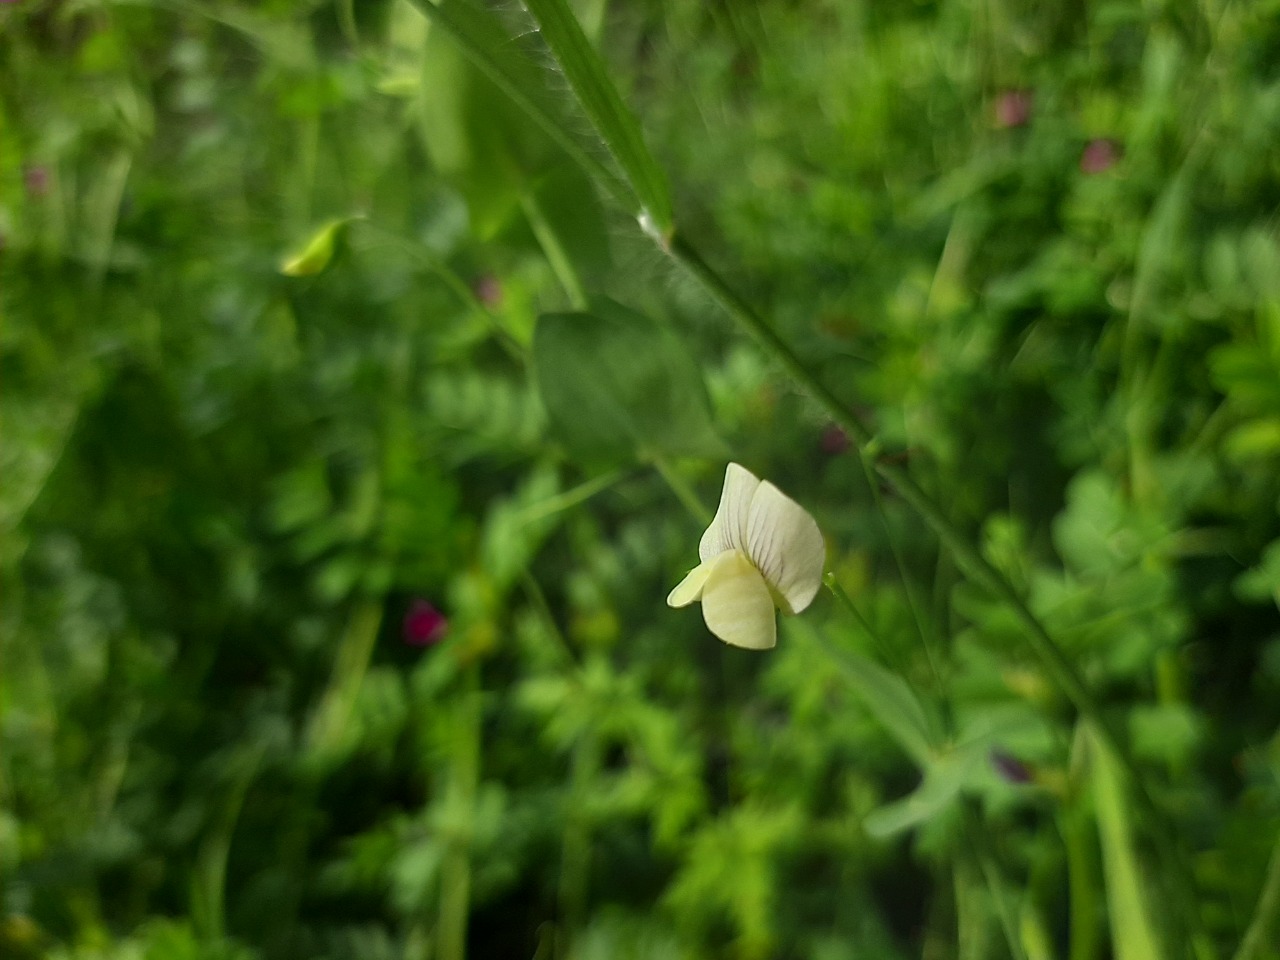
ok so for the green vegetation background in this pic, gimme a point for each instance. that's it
(271, 277)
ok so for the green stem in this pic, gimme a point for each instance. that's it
(1082, 883)
(680, 487)
(209, 878)
(976, 835)
(868, 470)
(570, 498)
(455, 870)
(553, 250)
(454, 282)
(837, 591)
(984, 857)
(329, 724)
(347, 20)
(575, 856)
(886, 651)
(972, 921)
(1265, 914)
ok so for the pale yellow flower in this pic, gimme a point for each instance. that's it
(762, 550)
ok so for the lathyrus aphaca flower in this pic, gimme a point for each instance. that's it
(763, 550)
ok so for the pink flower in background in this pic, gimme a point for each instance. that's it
(488, 290)
(834, 440)
(1010, 769)
(424, 624)
(36, 179)
(1013, 109)
(1099, 155)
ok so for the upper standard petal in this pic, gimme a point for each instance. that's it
(784, 542)
(728, 530)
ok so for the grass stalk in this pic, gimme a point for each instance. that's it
(1261, 931)
(455, 870)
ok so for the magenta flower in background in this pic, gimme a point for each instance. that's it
(834, 440)
(488, 290)
(424, 624)
(1099, 155)
(36, 179)
(1013, 109)
(1010, 769)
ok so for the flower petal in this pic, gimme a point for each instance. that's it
(728, 531)
(736, 603)
(784, 541)
(690, 588)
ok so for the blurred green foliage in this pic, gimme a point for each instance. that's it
(305, 320)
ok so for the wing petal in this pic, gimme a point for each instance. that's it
(736, 603)
(690, 588)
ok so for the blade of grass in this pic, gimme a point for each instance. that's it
(980, 846)
(454, 908)
(487, 44)
(553, 250)
(1265, 915)
(1133, 931)
(1079, 844)
(326, 730)
(600, 99)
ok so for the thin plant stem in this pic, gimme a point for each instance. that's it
(976, 835)
(570, 498)
(981, 848)
(868, 470)
(1265, 915)
(455, 869)
(347, 20)
(575, 855)
(833, 586)
(455, 283)
(680, 487)
(564, 652)
(1082, 879)
(837, 591)
(553, 250)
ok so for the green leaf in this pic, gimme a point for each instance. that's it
(617, 385)
(944, 780)
(1263, 581)
(515, 527)
(1247, 374)
(1133, 931)
(599, 97)
(888, 698)
(1169, 733)
(1254, 440)
(314, 255)
(491, 48)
